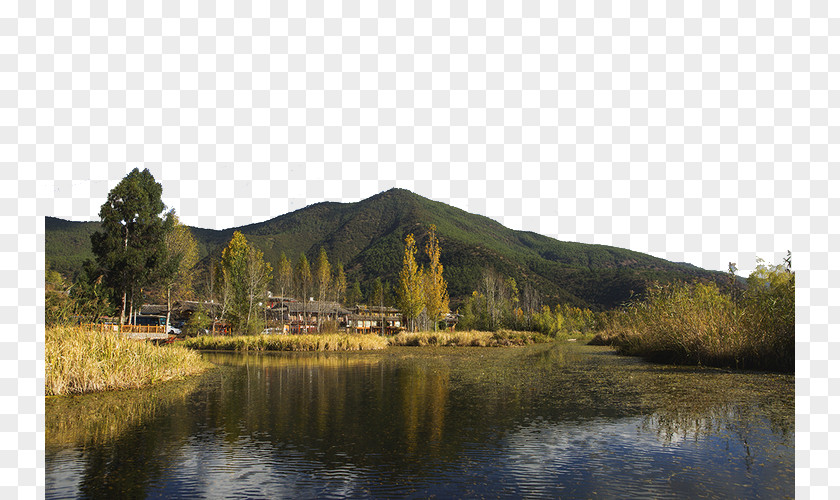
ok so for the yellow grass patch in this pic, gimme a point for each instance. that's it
(318, 342)
(80, 361)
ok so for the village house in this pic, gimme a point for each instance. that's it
(285, 315)
(374, 319)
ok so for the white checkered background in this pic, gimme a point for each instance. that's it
(704, 132)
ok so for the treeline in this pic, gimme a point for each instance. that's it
(140, 250)
(238, 284)
(699, 323)
(499, 304)
(422, 294)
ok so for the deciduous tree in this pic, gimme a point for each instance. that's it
(285, 276)
(410, 291)
(436, 296)
(322, 277)
(247, 275)
(303, 276)
(181, 258)
(285, 279)
(340, 281)
(377, 296)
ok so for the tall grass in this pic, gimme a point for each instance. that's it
(320, 342)
(467, 338)
(80, 361)
(698, 324)
(355, 342)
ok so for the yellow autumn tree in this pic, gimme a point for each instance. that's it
(181, 258)
(410, 291)
(435, 293)
(322, 276)
(247, 275)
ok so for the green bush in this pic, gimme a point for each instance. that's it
(197, 323)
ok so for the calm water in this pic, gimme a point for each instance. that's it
(542, 421)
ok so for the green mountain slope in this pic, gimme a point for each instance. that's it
(67, 244)
(367, 236)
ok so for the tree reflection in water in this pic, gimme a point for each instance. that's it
(419, 420)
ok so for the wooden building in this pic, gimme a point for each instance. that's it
(304, 317)
(285, 315)
(375, 319)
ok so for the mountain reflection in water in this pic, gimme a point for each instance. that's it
(545, 420)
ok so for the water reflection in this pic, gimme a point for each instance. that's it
(553, 420)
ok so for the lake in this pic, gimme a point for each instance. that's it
(549, 420)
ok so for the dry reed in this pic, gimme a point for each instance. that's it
(81, 361)
(697, 324)
(317, 342)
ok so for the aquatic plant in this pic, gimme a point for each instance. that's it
(697, 323)
(80, 361)
(316, 342)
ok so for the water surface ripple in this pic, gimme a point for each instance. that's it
(550, 421)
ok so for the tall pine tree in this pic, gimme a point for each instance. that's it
(130, 247)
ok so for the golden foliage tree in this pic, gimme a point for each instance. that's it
(285, 279)
(322, 278)
(285, 275)
(303, 281)
(182, 256)
(410, 291)
(340, 281)
(435, 293)
(248, 276)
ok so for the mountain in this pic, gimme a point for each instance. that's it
(368, 237)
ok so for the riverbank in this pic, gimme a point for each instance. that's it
(696, 324)
(356, 342)
(80, 361)
(314, 342)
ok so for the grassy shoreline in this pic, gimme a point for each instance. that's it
(80, 361)
(356, 342)
(696, 324)
(310, 342)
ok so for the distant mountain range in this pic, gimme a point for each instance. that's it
(368, 238)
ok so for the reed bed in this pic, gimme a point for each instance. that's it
(80, 361)
(471, 338)
(319, 342)
(697, 324)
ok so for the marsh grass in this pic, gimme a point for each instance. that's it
(321, 342)
(697, 324)
(355, 342)
(80, 361)
(470, 338)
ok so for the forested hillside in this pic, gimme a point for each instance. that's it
(368, 237)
